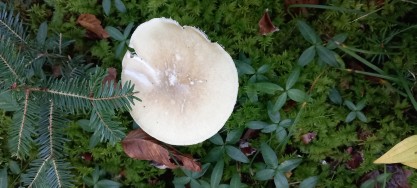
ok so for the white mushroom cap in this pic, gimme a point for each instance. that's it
(187, 84)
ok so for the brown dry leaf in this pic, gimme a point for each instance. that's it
(308, 137)
(111, 75)
(265, 24)
(92, 24)
(139, 145)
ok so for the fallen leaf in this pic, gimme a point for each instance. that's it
(403, 152)
(139, 145)
(246, 148)
(265, 24)
(111, 75)
(355, 160)
(92, 24)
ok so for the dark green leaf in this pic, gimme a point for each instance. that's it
(115, 33)
(309, 182)
(361, 104)
(235, 181)
(269, 155)
(256, 124)
(85, 125)
(181, 180)
(217, 139)
(368, 184)
(292, 79)
(273, 114)
(289, 165)
(195, 184)
(280, 101)
(252, 94)
(214, 154)
(223, 186)
(383, 177)
(286, 123)
(217, 174)
(89, 181)
(233, 136)
(267, 87)
(108, 184)
(264, 174)
(120, 49)
(106, 6)
(307, 56)
(296, 95)
(339, 38)
(269, 128)
(236, 154)
(128, 29)
(94, 140)
(197, 175)
(361, 116)
(335, 96)
(281, 134)
(327, 56)
(204, 184)
(350, 117)
(350, 105)
(308, 33)
(245, 68)
(263, 69)
(14, 167)
(280, 180)
(7, 101)
(3, 178)
(42, 33)
(120, 6)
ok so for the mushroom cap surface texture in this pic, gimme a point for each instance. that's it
(187, 85)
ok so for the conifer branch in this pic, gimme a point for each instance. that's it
(22, 124)
(11, 26)
(56, 173)
(4, 60)
(38, 173)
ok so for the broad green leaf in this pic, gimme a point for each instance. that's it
(204, 184)
(368, 184)
(264, 174)
(308, 33)
(350, 117)
(269, 128)
(223, 186)
(252, 94)
(108, 184)
(236, 154)
(289, 165)
(233, 136)
(245, 68)
(280, 101)
(327, 56)
(267, 87)
(307, 56)
(274, 115)
(85, 125)
(280, 180)
(296, 95)
(181, 180)
(339, 38)
(106, 6)
(42, 33)
(280, 134)
(194, 184)
(120, 6)
(197, 175)
(263, 69)
(383, 177)
(217, 174)
(115, 33)
(3, 178)
(335, 96)
(293, 78)
(403, 152)
(361, 116)
(7, 101)
(128, 29)
(88, 180)
(350, 105)
(286, 123)
(216, 139)
(309, 182)
(14, 167)
(256, 125)
(269, 155)
(120, 49)
(235, 181)
(361, 104)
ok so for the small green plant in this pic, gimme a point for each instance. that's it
(96, 180)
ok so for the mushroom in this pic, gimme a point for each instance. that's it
(187, 84)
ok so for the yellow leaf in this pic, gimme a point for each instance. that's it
(412, 164)
(403, 152)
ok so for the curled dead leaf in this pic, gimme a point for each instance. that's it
(265, 24)
(92, 24)
(139, 145)
(308, 137)
(111, 76)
